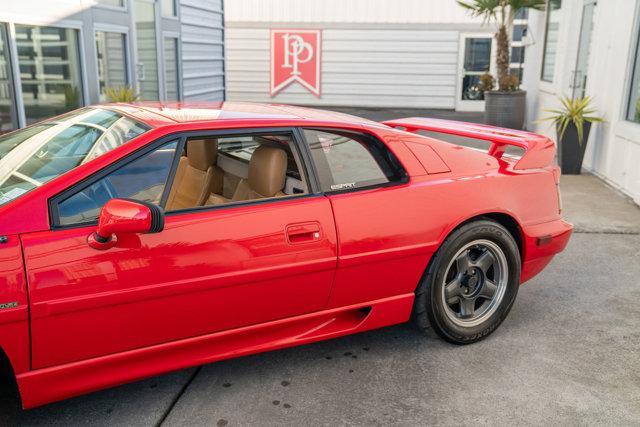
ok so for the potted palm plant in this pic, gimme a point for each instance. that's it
(573, 125)
(505, 106)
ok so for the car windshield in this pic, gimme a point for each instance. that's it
(35, 155)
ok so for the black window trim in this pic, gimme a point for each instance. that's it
(393, 159)
(54, 201)
(297, 144)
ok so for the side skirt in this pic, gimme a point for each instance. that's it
(60, 382)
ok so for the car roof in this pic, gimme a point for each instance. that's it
(166, 113)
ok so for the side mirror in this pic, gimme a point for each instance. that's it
(125, 216)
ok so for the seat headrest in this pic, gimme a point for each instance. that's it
(267, 170)
(202, 153)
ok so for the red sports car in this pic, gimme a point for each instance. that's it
(137, 239)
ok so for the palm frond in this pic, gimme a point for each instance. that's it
(485, 9)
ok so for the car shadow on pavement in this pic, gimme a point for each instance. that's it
(148, 401)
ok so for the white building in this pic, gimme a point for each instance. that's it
(429, 54)
(591, 47)
(375, 53)
(59, 55)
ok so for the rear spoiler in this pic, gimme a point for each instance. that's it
(539, 151)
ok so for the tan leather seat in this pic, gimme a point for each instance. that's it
(267, 175)
(197, 175)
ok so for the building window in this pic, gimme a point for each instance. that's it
(634, 99)
(169, 8)
(114, 3)
(523, 13)
(8, 115)
(147, 66)
(551, 34)
(171, 69)
(49, 61)
(112, 61)
(519, 31)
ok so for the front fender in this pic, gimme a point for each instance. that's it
(14, 304)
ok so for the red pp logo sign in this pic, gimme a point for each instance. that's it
(295, 57)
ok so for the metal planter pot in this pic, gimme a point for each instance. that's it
(505, 109)
(570, 152)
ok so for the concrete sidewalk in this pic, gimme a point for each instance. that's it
(594, 207)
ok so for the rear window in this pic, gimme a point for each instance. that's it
(349, 161)
(32, 156)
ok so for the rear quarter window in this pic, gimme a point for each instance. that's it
(346, 160)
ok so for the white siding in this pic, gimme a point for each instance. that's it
(202, 36)
(347, 11)
(613, 150)
(364, 67)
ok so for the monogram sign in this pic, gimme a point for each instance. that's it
(295, 57)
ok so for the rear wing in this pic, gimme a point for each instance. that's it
(539, 151)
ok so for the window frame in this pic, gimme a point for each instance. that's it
(15, 61)
(394, 160)
(54, 201)
(175, 37)
(176, 9)
(297, 145)
(123, 8)
(547, 13)
(634, 68)
(117, 29)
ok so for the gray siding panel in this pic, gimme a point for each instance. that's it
(360, 67)
(202, 36)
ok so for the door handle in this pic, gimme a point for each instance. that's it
(303, 232)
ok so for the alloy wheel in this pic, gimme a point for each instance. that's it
(475, 283)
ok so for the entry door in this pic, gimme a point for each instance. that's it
(210, 269)
(475, 59)
(147, 72)
(579, 84)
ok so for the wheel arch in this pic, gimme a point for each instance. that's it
(505, 219)
(8, 377)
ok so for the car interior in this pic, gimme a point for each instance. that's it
(216, 171)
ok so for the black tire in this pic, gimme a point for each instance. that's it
(430, 303)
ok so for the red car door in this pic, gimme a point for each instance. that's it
(208, 270)
(384, 244)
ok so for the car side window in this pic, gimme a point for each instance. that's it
(348, 161)
(142, 179)
(227, 169)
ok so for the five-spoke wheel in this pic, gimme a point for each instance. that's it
(475, 282)
(470, 284)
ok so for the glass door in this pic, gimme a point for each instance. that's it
(144, 12)
(8, 114)
(579, 84)
(476, 59)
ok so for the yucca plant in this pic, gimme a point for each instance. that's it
(71, 97)
(121, 94)
(576, 111)
(573, 124)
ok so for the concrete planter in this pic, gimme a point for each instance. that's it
(570, 152)
(505, 109)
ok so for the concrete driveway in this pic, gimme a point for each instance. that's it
(567, 354)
